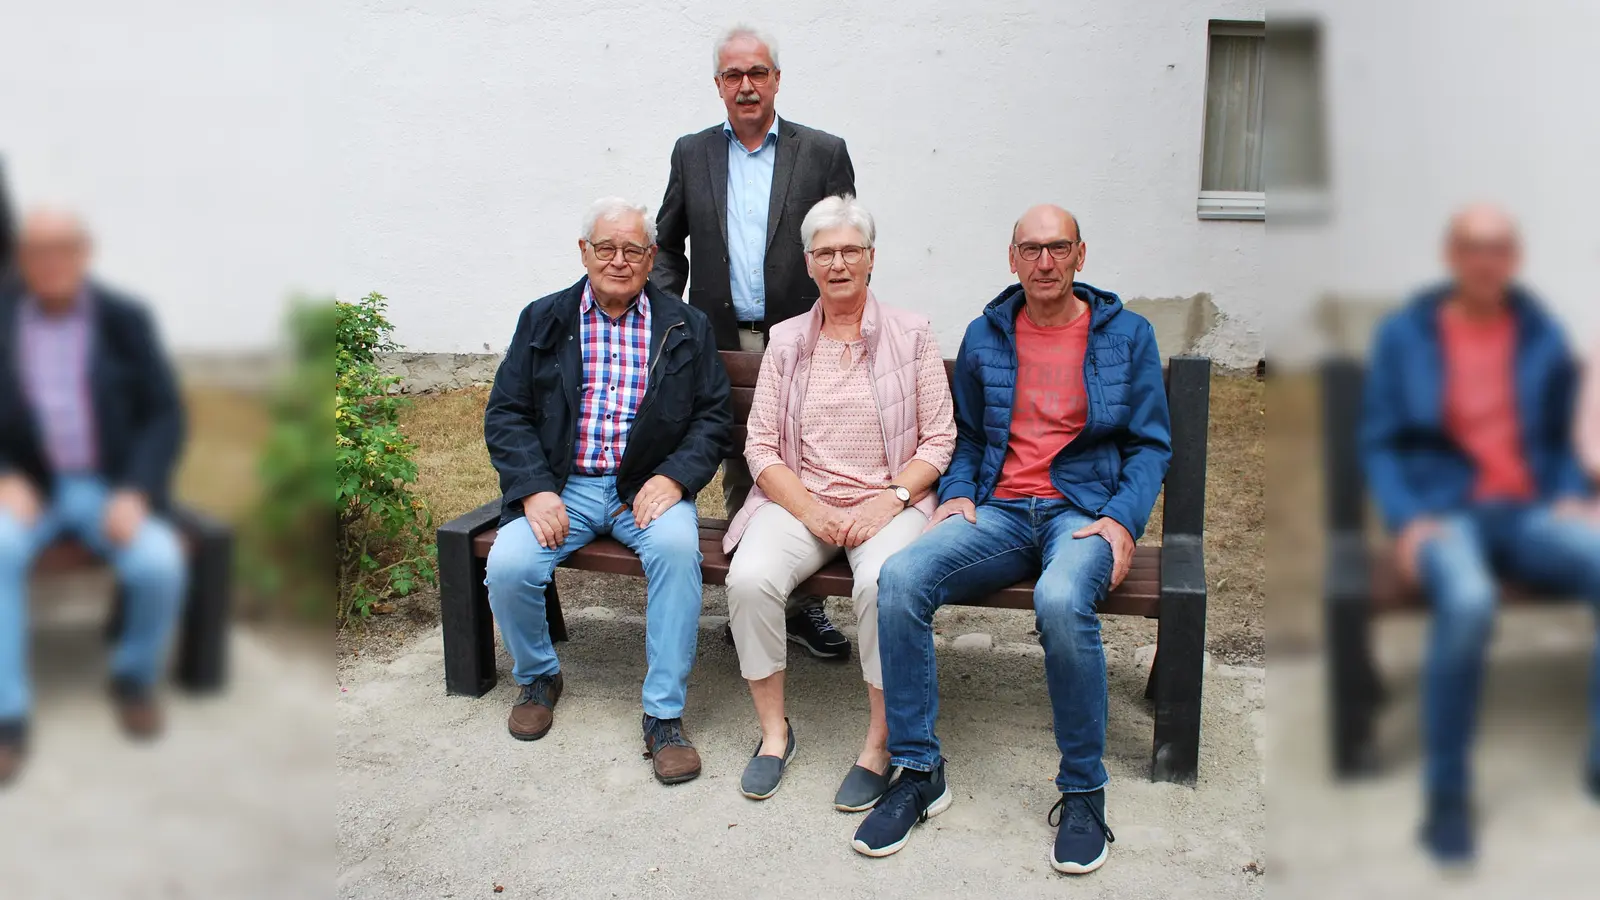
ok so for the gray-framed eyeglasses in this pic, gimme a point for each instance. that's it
(1058, 249)
(632, 253)
(732, 78)
(824, 256)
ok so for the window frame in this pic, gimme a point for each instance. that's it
(1238, 206)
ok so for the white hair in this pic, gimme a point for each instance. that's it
(835, 212)
(739, 31)
(612, 209)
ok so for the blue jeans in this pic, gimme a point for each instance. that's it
(956, 561)
(150, 569)
(1529, 545)
(519, 570)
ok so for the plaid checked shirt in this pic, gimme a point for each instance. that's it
(55, 379)
(616, 359)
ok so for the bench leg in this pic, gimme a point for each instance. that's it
(1177, 674)
(468, 623)
(552, 613)
(202, 663)
(1355, 690)
(1150, 685)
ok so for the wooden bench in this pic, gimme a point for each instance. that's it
(1361, 578)
(200, 661)
(1166, 583)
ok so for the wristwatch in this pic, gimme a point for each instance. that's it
(901, 494)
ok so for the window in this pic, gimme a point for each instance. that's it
(1230, 172)
(1297, 145)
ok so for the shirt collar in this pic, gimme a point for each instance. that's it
(32, 308)
(640, 303)
(771, 138)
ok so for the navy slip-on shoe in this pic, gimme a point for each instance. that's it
(1447, 831)
(861, 789)
(913, 798)
(763, 774)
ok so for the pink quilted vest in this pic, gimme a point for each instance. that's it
(894, 340)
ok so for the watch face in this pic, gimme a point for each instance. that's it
(903, 494)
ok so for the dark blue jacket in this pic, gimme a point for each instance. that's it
(1115, 466)
(138, 414)
(683, 428)
(1412, 465)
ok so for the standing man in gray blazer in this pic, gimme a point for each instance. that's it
(736, 194)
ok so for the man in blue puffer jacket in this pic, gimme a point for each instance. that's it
(1062, 445)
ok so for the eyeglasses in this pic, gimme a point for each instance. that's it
(824, 256)
(632, 253)
(732, 78)
(1058, 249)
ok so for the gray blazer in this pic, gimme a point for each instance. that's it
(811, 164)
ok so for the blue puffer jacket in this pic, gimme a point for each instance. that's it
(1413, 466)
(1115, 466)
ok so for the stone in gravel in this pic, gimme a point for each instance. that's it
(975, 641)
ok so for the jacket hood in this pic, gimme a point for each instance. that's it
(1103, 306)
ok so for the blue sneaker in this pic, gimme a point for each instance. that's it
(914, 798)
(1083, 838)
(1594, 783)
(1447, 831)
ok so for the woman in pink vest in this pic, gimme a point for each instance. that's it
(850, 428)
(1588, 424)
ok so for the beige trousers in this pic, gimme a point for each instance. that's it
(775, 554)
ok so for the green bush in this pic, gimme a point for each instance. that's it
(385, 547)
(287, 543)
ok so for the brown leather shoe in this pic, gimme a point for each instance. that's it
(535, 709)
(13, 748)
(675, 760)
(137, 710)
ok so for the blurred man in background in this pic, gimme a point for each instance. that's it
(737, 193)
(90, 428)
(1467, 444)
(7, 231)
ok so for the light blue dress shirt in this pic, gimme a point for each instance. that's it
(749, 191)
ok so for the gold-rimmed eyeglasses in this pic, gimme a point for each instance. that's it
(631, 253)
(732, 78)
(823, 256)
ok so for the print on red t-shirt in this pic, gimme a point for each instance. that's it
(1050, 407)
(1480, 404)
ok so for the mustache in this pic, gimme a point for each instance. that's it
(747, 97)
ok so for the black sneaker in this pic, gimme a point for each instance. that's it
(13, 748)
(1083, 838)
(811, 629)
(1447, 830)
(1594, 783)
(914, 798)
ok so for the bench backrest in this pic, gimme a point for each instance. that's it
(1188, 380)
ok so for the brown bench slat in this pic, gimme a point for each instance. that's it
(744, 369)
(1392, 593)
(1138, 595)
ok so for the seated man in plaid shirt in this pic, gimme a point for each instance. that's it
(90, 428)
(609, 413)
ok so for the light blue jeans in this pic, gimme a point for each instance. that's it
(958, 561)
(1528, 544)
(519, 570)
(150, 569)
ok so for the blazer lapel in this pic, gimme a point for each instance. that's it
(717, 165)
(782, 173)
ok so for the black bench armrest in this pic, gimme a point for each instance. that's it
(1189, 407)
(464, 603)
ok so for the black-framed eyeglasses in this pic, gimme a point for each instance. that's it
(732, 78)
(631, 253)
(1058, 249)
(824, 256)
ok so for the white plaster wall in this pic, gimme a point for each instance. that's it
(1435, 104)
(442, 153)
(490, 133)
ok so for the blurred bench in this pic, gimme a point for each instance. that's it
(201, 652)
(1361, 577)
(1165, 583)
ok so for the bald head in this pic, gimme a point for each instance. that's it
(1483, 251)
(53, 256)
(1049, 217)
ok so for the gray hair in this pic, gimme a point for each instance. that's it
(612, 209)
(739, 31)
(835, 212)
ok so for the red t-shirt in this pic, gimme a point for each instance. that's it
(1050, 406)
(1480, 404)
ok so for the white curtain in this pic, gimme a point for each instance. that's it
(1235, 91)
